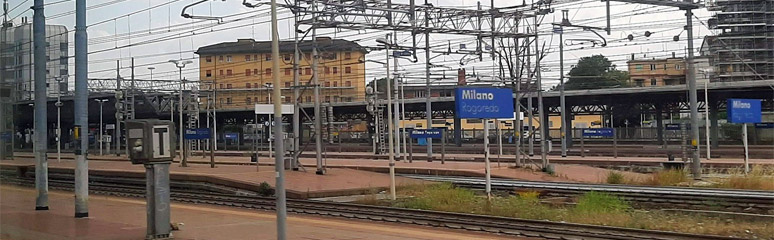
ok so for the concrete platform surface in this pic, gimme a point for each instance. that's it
(299, 184)
(124, 219)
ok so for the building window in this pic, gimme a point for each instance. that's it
(348, 70)
(220, 58)
(247, 72)
(335, 70)
(255, 71)
(268, 57)
(653, 82)
(287, 57)
(639, 82)
(653, 67)
(221, 101)
(208, 58)
(347, 55)
(348, 83)
(327, 70)
(419, 94)
(308, 98)
(335, 84)
(308, 71)
(228, 72)
(268, 72)
(327, 84)
(63, 47)
(255, 58)
(208, 73)
(327, 98)
(221, 86)
(335, 98)
(247, 58)
(677, 66)
(228, 86)
(63, 60)
(287, 71)
(221, 72)
(287, 84)
(63, 72)
(228, 58)
(267, 100)
(247, 100)
(228, 100)
(247, 85)
(255, 99)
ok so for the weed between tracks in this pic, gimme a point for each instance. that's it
(759, 178)
(590, 208)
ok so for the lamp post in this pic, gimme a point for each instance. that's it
(58, 105)
(100, 101)
(386, 42)
(707, 74)
(180, 64)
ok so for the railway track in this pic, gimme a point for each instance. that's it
(497, 225)
(747, 201)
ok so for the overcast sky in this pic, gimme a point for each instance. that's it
(157, 36)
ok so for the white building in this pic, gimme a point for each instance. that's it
(19, 57)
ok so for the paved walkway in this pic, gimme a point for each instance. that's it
(124, 219)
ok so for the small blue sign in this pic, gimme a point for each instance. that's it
(483, 103)
(744, 110)
(232, 136)
(7, 136)
(427, 133)
(598, 132)
(765, 125)
(197, 133)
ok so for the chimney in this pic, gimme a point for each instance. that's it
(673, 55)
(632, 56)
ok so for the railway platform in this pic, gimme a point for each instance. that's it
(124, 219)
(299, 184)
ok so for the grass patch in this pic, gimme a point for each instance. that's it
(614, 177)
(759, 178)
(667, 178)
(590, 208)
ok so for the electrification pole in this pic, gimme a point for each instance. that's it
(317, 114)
(692, 96)
(40, 136)
(279, 155)
(541, 112)
(428, 107)
(562, 106)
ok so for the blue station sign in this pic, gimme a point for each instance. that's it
(598, 132)
(483, 103)
(427, 133)
(197, 133)
(231, 136)
(676, 126)
(744, 110)
(765, 125)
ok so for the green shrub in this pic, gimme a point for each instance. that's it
(444, 197)
(667, 178)
(614, 177)
(264, 189)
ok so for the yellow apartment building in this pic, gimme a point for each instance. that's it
(241, 71)
(657, 72)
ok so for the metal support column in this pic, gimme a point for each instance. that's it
(279, 156)
(714, 129)
(428, 107)
(660, 124)
(317, 113)
(692, 95)
(157, 197)
(40, 136)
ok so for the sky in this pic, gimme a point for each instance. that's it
(159, 34)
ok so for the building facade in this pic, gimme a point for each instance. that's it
(656, 72)
(742, 50)
(18, 59)
(241, 72)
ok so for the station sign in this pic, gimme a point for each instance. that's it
(676, 126)
(483, 103)
(765, 125)
(233, 136)
(197, 133)
(427, 133)
(744, 110)
(598, 132)
(6, 136)
(404, 53)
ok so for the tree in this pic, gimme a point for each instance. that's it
(595, 72)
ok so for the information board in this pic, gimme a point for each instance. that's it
(598, 132)
(231, 135)
(427, 133)
(765, 125)
(744, 110)
(483, 103)
(197, 133)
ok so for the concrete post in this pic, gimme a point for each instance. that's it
(457, 130)
(714, 129)
(279, 156)
(40, 137)
(660, 123)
